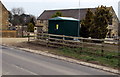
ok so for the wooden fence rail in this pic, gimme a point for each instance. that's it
(76, 42)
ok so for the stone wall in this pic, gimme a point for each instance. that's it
(43, 23)
(114, 26)
(4, 16)
(0, 16)
(9, 33)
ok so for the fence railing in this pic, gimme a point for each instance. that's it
(76, 42)
(86, 49)
(93, 46)
(96, 47)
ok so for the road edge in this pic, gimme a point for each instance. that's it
(46, 53)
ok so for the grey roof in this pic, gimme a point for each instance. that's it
(74, 13)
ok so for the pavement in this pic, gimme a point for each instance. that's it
(20, 62)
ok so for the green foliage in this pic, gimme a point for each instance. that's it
(32, 21)
(57, 14)
(10, 16)
(86, 24)
(30, 27)
(95, 24)
(22, 19)
(101, 21)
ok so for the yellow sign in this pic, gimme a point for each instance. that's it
(57, 26)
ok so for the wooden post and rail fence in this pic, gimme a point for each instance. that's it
(53, 40)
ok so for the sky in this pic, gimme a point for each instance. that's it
(36, 7)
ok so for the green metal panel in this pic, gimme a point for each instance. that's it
(64, 27)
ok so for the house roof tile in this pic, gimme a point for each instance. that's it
(74, 13)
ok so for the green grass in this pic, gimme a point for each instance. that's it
(84, 54)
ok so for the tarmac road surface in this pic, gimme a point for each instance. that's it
(18, 62)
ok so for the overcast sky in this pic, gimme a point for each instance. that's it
(36, 7)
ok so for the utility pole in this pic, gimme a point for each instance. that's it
(79, 10)
(79, 19)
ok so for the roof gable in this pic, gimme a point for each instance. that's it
(2, 6)
(74, 13)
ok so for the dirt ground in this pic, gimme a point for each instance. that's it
(23, 43)
(10, 41)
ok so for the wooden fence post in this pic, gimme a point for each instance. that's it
(82, 44)
(34, 36)
(28, 37)
(63, 38)
(48, 40)
(102, 49)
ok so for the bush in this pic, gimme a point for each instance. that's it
(30, 27)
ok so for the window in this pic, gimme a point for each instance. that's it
(41, 21)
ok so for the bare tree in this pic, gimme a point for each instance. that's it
(20, 11)
(13, 11)
(17, 11)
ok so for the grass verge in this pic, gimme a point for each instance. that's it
(109, 59)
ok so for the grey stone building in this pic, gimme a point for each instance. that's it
(80, 14)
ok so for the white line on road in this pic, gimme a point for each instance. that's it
(49, 67)
(7, 73)
(25, 70)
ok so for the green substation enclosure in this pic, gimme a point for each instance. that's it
(64, 26)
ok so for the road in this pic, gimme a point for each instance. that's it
(18, 62)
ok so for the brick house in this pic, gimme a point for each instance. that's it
(4, 17)
(78, 14)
